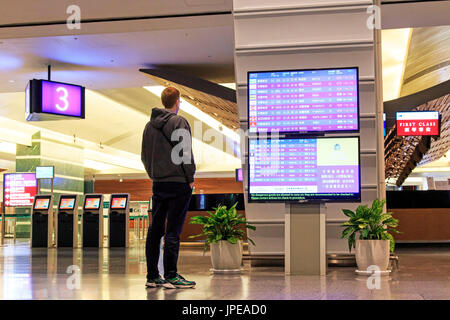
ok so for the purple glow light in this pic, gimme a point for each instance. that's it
(62, 99)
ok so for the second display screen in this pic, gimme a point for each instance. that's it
(283, 170)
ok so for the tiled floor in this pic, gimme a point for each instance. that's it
(120, 274)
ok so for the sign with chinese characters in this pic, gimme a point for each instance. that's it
(418, 123)
(322, 100)
(304, 169)
(19, 189)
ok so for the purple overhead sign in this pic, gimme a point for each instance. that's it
(50, 100)
(62, 99)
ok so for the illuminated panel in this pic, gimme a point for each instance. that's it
(418, 123)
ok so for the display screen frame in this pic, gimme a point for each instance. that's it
(41, 198)
(99, 198)
(45, 177)
(307, 133)
(112, 207)
(418, 133)
(354, 198)
(74, 198)
(4, 188)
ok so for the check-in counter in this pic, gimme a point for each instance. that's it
(424, 216)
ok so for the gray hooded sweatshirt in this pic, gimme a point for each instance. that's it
(157, 145)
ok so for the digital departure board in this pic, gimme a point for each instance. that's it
(303, 101)
(291, 170)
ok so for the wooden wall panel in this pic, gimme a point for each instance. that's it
(141, 189)
(423, 224)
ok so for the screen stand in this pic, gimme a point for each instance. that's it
(305, 240)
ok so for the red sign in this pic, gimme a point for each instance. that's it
(418, 123)
(19, 189)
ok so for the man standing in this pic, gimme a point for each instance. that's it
(169, 162)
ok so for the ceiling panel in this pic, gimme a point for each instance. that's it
(109, 61)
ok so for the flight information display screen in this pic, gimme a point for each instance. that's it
(321, 100)
(119, 203)
(92, 203)
(42, 204)
(67, 203)
(317, 169)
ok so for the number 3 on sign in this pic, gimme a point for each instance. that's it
(63, 98)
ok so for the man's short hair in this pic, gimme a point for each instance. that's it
(169, 97)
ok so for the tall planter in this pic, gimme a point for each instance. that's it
(372, 252)
(369, 230)
(223, 233)
(226, 256)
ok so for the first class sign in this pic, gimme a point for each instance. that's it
(418, 123)
(50, 100)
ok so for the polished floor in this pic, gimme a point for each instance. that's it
(120, 274)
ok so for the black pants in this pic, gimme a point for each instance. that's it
(170, 201)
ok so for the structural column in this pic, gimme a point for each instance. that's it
(309, 34)
(68, 159)
(305, 240)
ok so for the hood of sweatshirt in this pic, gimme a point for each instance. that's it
(160, 117)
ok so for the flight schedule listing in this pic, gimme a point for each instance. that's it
(303, 101)
(297, 169)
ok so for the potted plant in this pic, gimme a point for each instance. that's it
(373, 228)
(224, 234)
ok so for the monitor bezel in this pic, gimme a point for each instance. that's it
(356, 198)
(305, 133)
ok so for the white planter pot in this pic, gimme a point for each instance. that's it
(372, 252)
(226, 256)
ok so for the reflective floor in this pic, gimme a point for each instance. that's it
(120, 274)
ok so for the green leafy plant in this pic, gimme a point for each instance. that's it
(370, 223)
(223, 224)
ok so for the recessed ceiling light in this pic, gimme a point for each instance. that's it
(11, 81)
